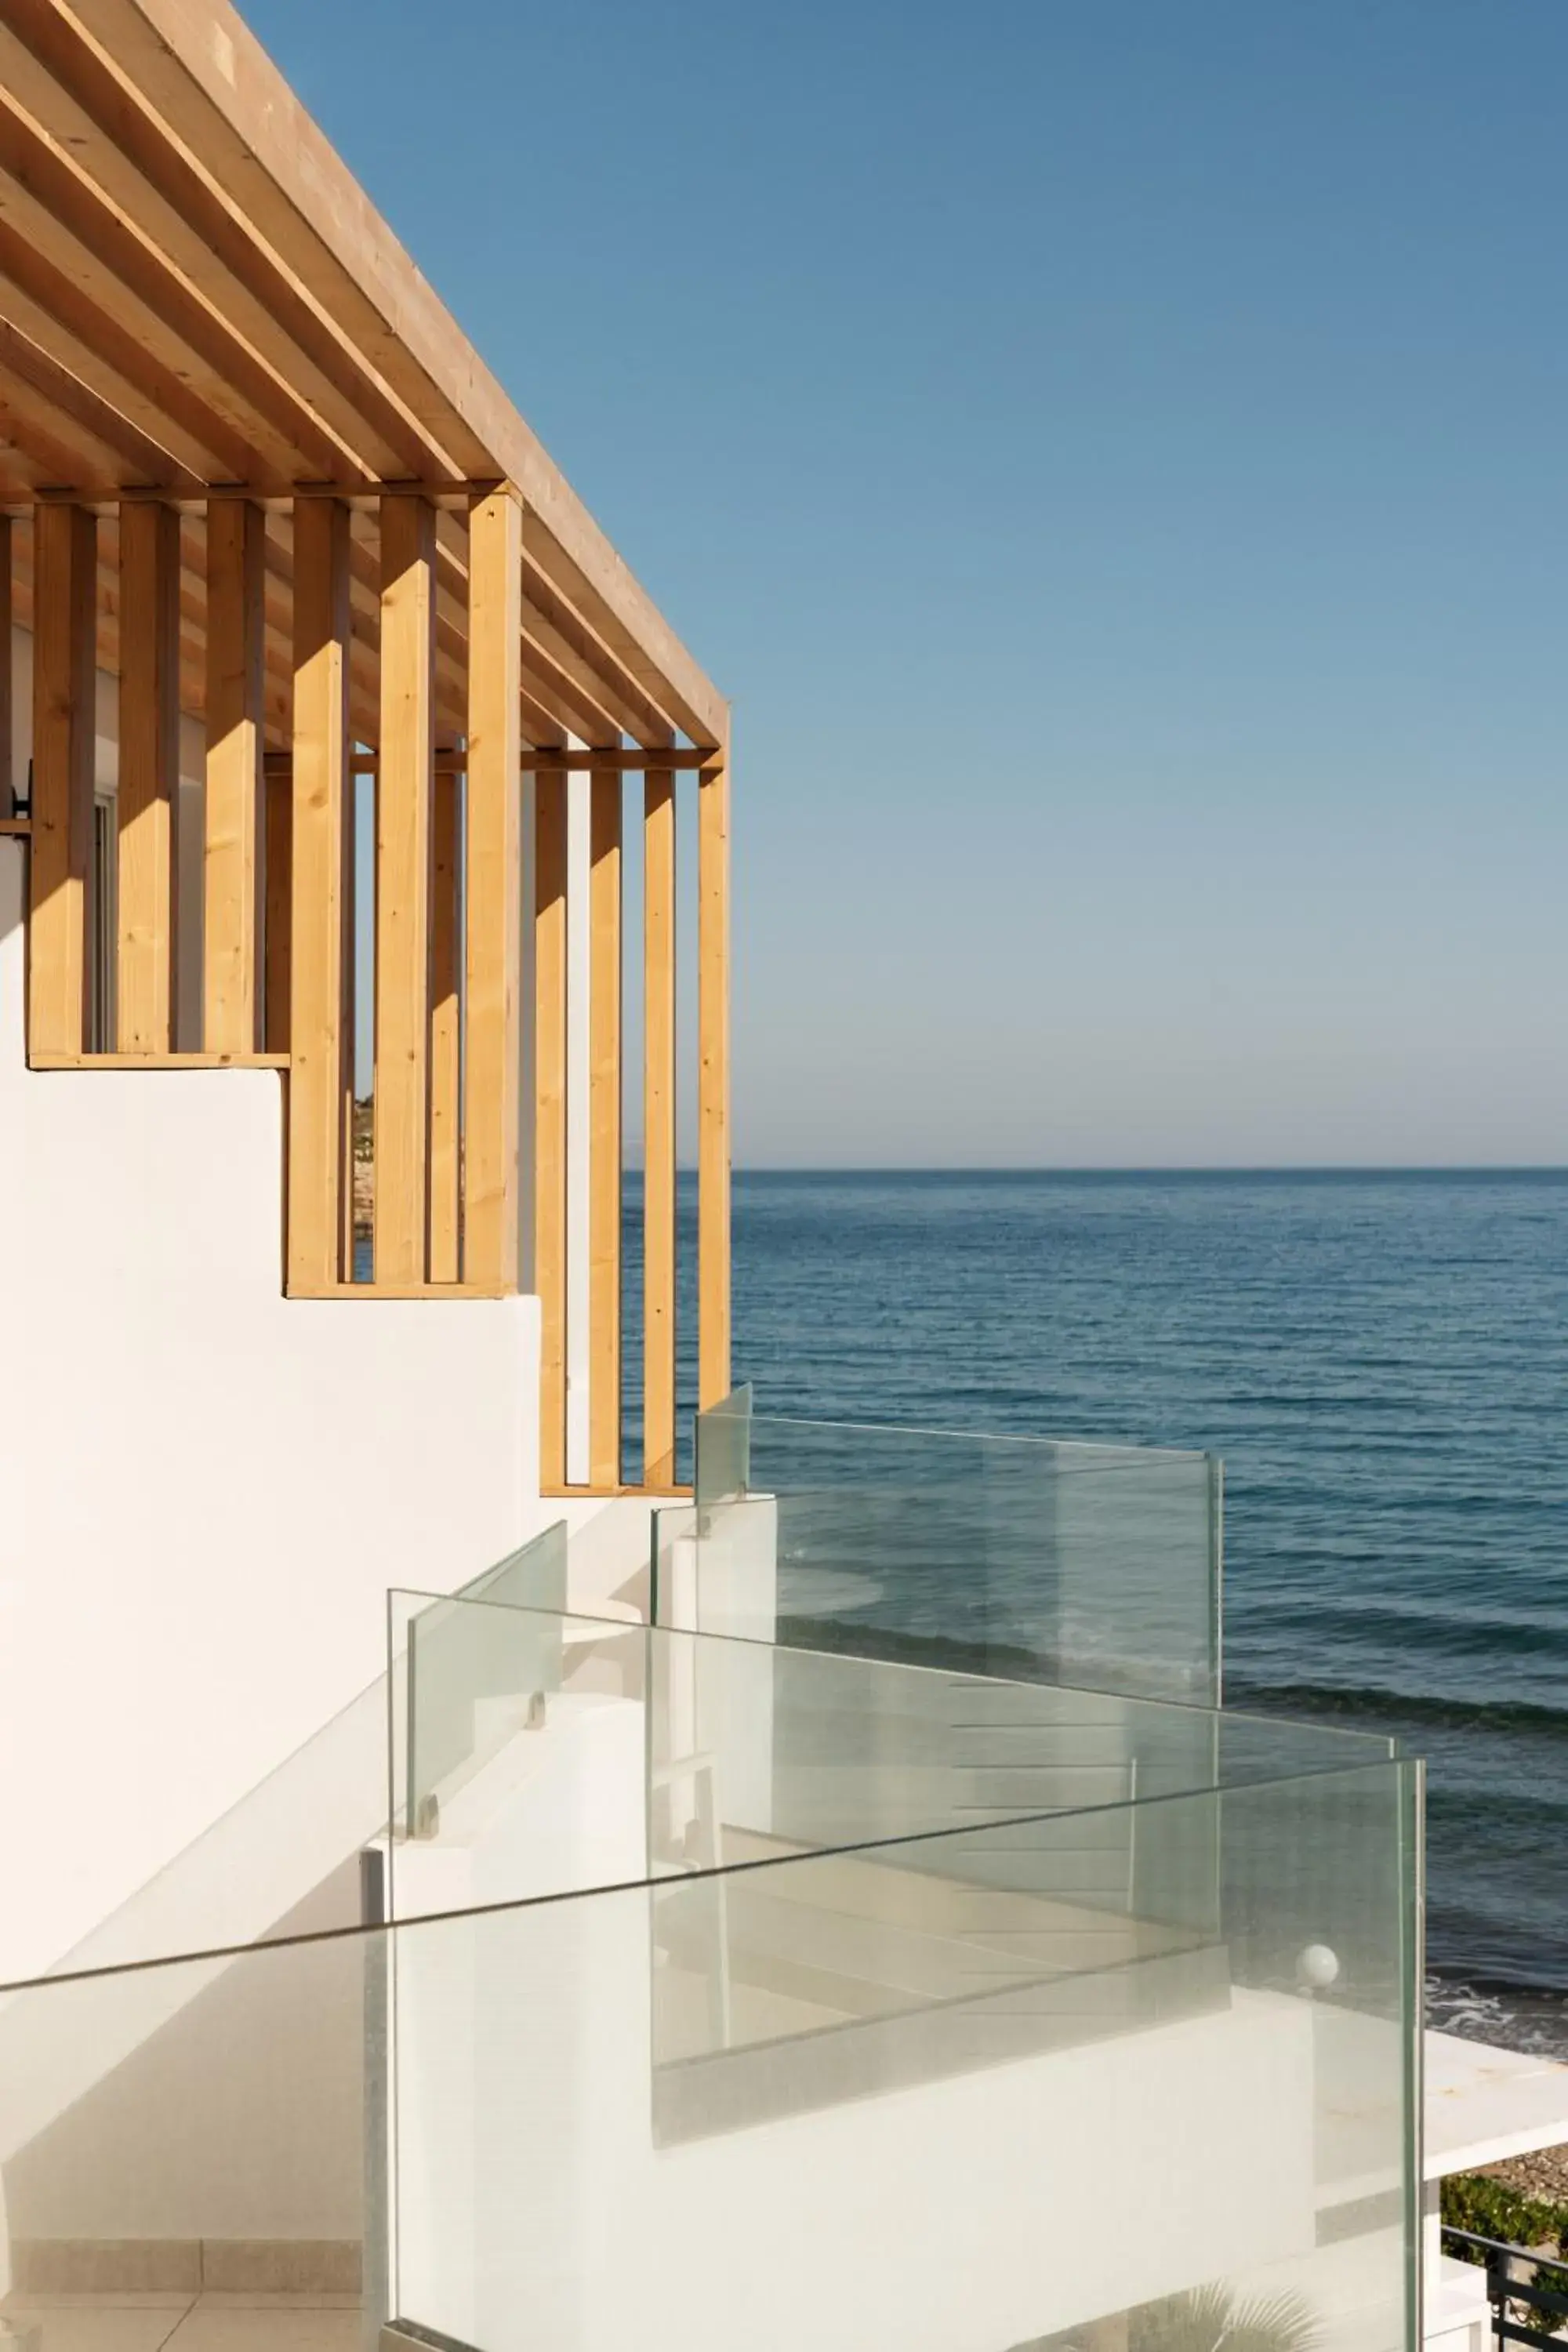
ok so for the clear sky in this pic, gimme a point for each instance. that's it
(1115, 454)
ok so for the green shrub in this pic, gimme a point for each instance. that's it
(1493, 2209)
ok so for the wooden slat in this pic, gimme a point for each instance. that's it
(149, 791)
(713, 1086)
(605, 792)
(193, 628)
(445, 1035)
(550, 1115)
(319, 1031)
(402, 889)
(350, 977)
(236, 721)
(554, 633)
(64, 684)
(8, 785)
(659, 1129)
(493, 895)
(278, 951)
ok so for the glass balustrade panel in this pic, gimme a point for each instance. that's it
(1091, 1565)
(952, 2091)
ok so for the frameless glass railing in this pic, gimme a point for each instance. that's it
(866, 1881)
(462, 1673)
(286, 1859)
(931, 2086)
(963, 2012)
(1097, 1566)
(666, 1748)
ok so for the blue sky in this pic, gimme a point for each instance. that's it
(1116, 457)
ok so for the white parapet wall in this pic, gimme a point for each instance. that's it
(206, 1488)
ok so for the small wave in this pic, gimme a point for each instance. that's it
(1525, 2018)
(1407, 1706)
(1454, 1631)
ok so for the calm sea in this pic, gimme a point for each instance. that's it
(1382, 1361)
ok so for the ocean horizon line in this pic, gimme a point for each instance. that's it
(1357, 1169)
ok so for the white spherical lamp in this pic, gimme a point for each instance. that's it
(1316, 1966)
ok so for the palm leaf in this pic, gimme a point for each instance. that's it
(1207, 2319)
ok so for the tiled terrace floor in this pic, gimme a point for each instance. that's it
(125, 2322)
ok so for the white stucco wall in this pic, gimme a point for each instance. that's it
(205, 1489)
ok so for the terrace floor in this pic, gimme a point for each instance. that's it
(122, 2321)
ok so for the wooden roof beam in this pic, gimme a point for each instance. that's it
(44, 304)
(41, 440)
(703, 717)
(210, 82)
(110, 261)
(133, 460)
(558, 645)
(73, 94)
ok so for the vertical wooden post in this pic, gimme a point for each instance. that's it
(350, 918)
(236, 622)
(65, 565)
(494, 892)
(403, 802)
(550, 1115)
(714, 1083)
(605, 791)
(277, 957)
(319, 1041)
(445, 1035)
(659, 1129)
(7, 781)
(149, 774)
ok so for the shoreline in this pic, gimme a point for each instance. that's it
(1529, 2018)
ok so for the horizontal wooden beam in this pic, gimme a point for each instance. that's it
(384, 1290)
(157, 1061)
(16, 824)
(575, 1493)
(632, 761)
(356, 491)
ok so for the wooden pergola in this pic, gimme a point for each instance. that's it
(251, 467)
